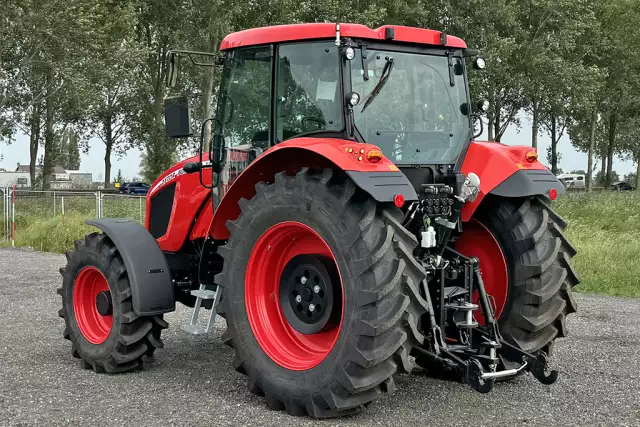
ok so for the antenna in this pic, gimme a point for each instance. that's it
(338, 35)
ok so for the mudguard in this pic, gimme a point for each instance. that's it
(382, 180)
(504, 171)
(152, 290)
(529, 183)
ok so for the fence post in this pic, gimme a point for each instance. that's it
(141, 219)
(62, 204)
(13, 216)
(97, 194)
(54, 204)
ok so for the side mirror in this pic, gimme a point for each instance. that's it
(173, 62)
(177, 117)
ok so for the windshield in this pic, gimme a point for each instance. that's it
(417, 116)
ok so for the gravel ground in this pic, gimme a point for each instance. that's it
(192, 382)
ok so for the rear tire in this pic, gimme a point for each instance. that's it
(541, 278)
(380, 306)
(115, 343)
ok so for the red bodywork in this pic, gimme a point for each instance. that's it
(284, 33)
(189, 218)
(492, 162)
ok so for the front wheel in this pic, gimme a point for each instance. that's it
(97, 308)
(320, 294)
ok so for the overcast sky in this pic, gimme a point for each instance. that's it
(18, 152)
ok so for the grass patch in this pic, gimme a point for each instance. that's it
(52, 235)
(605, 229)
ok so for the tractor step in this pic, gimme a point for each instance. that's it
(195, 328)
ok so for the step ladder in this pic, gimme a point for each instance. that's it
(202, 294)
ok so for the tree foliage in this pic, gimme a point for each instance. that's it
(73, 71)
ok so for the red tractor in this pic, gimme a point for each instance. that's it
(344, 223)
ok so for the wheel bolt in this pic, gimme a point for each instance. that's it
(298, 298)
(312, 307)
(316, 289)
(303, 280)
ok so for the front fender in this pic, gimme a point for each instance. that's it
(382, 180)
(504, 171)
(149, 276)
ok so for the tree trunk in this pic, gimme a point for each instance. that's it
(49, 137)
(496, 124)
(613, 121)
(34, 142)
(491, 118)
(603, 166)
(554, 146)
(535, 127)
(108, 133)
(592, 143)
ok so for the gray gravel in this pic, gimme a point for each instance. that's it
(192, 382)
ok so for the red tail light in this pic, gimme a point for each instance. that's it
(553, 194)
(398, 200)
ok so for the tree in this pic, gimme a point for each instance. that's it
(118, 179)
(112, 78)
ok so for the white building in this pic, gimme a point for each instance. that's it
(19, 179)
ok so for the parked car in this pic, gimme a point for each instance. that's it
(572, 180)
(622, 186)
(139, 188)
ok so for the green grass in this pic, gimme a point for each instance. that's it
(605, 229)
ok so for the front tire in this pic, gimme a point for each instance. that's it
(116, 340)
(350, 361)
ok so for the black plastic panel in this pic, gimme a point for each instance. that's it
(151, 286)
(529, 183)
(160, 210)
(383, 186)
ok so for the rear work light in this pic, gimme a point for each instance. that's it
(374, 156)
(531, 156)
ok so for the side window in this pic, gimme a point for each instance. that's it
(244, 101)
(308, 89)
(581, 178)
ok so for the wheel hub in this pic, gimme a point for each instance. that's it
(306, 292)
(104, 304)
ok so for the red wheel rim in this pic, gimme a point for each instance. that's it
(477, 241)
(93, 326)
(283, 344)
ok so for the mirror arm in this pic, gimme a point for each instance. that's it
(479, 117)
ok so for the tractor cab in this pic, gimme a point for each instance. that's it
(404, 90)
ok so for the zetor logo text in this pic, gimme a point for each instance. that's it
(173, 175)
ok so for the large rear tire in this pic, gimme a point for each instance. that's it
(535, 296)
(349, 361)
(116, 342)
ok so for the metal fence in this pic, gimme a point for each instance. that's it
(23, 208)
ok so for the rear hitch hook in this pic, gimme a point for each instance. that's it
(539, 370)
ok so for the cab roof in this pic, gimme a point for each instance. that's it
(294, 32)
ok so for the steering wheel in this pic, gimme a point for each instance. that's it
(319, 121)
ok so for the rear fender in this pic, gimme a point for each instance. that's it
(151, 286)
(503, 171)
(382, 180)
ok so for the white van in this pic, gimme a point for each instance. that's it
(572, 180)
